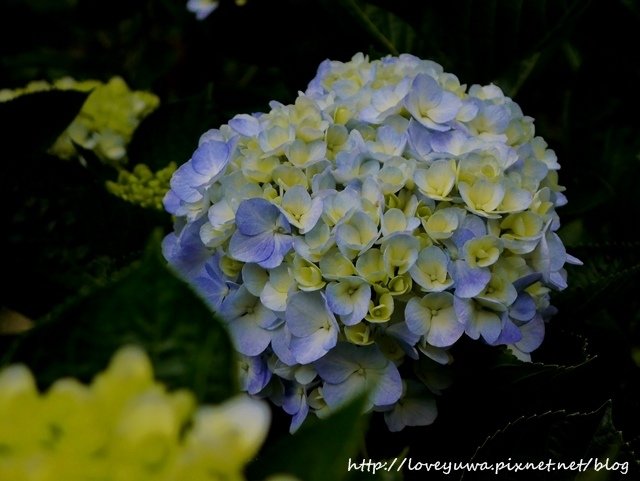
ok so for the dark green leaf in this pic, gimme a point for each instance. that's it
(557, 437)
(608, 273)
(32, 122)
(319, 451)
(392, 34)
(63, 231)
(147, 306)
(513, 372)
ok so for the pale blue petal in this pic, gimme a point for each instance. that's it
(337, 395)
(282, 244)
(405, 338)
(461, 236)
(498, 116)
(210, 159)
(419, 139)
(526, 281)
(451, 142)
(257, 375)
(294, 398)
(307, 312)
(361, 299)
(444, 331)
(312, 216)
(311, 348)
(475, 224)
(185, 252)
(558, 280)
(389, 136)
(213, 289)
(248, 337)
(256, 248)
(574, 260)
(338, 303)
(464, 309)
(424, 92)
(469, 282)
(524, 308)
(437, 354)
(388, 386)
(447, 109)
(336, 367)
(185, 182)
(172, 203)
(412, 411)
(477, 321)
(235, 305)
(298, 418)
(415, 316)
(532, 335)
(490, 327)
(257, 215)
(280, 341)
(246, 125)
(510, 333)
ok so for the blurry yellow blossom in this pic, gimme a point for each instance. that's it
(107, 120)
(124, 426)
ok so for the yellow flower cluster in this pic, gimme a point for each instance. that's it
(107, 120)
(141, 186)
(124, 426)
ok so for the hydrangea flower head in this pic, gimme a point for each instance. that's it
(123, 426)
(385, 214)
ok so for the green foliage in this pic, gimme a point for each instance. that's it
(560, 437)
(391, 33)
(32, 122)
(318, 451)
(145, 305)
(64, 231)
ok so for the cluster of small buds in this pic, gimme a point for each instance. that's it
(388, 212)
(108, 118)
(124, 426)
(141, 186)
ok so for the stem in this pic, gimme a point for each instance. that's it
(371, 27)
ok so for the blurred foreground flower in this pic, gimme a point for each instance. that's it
(124, 426)
(384, 215)
(108, 118)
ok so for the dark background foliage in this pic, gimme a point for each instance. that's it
(68, 246)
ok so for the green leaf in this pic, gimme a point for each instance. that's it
(32, 122)
(557, 437)
(515, 373)
(171, 133)
(486, 40)
(609, 272)
(147, 306)
(319, 451)
(391, 33)
(63, 231)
